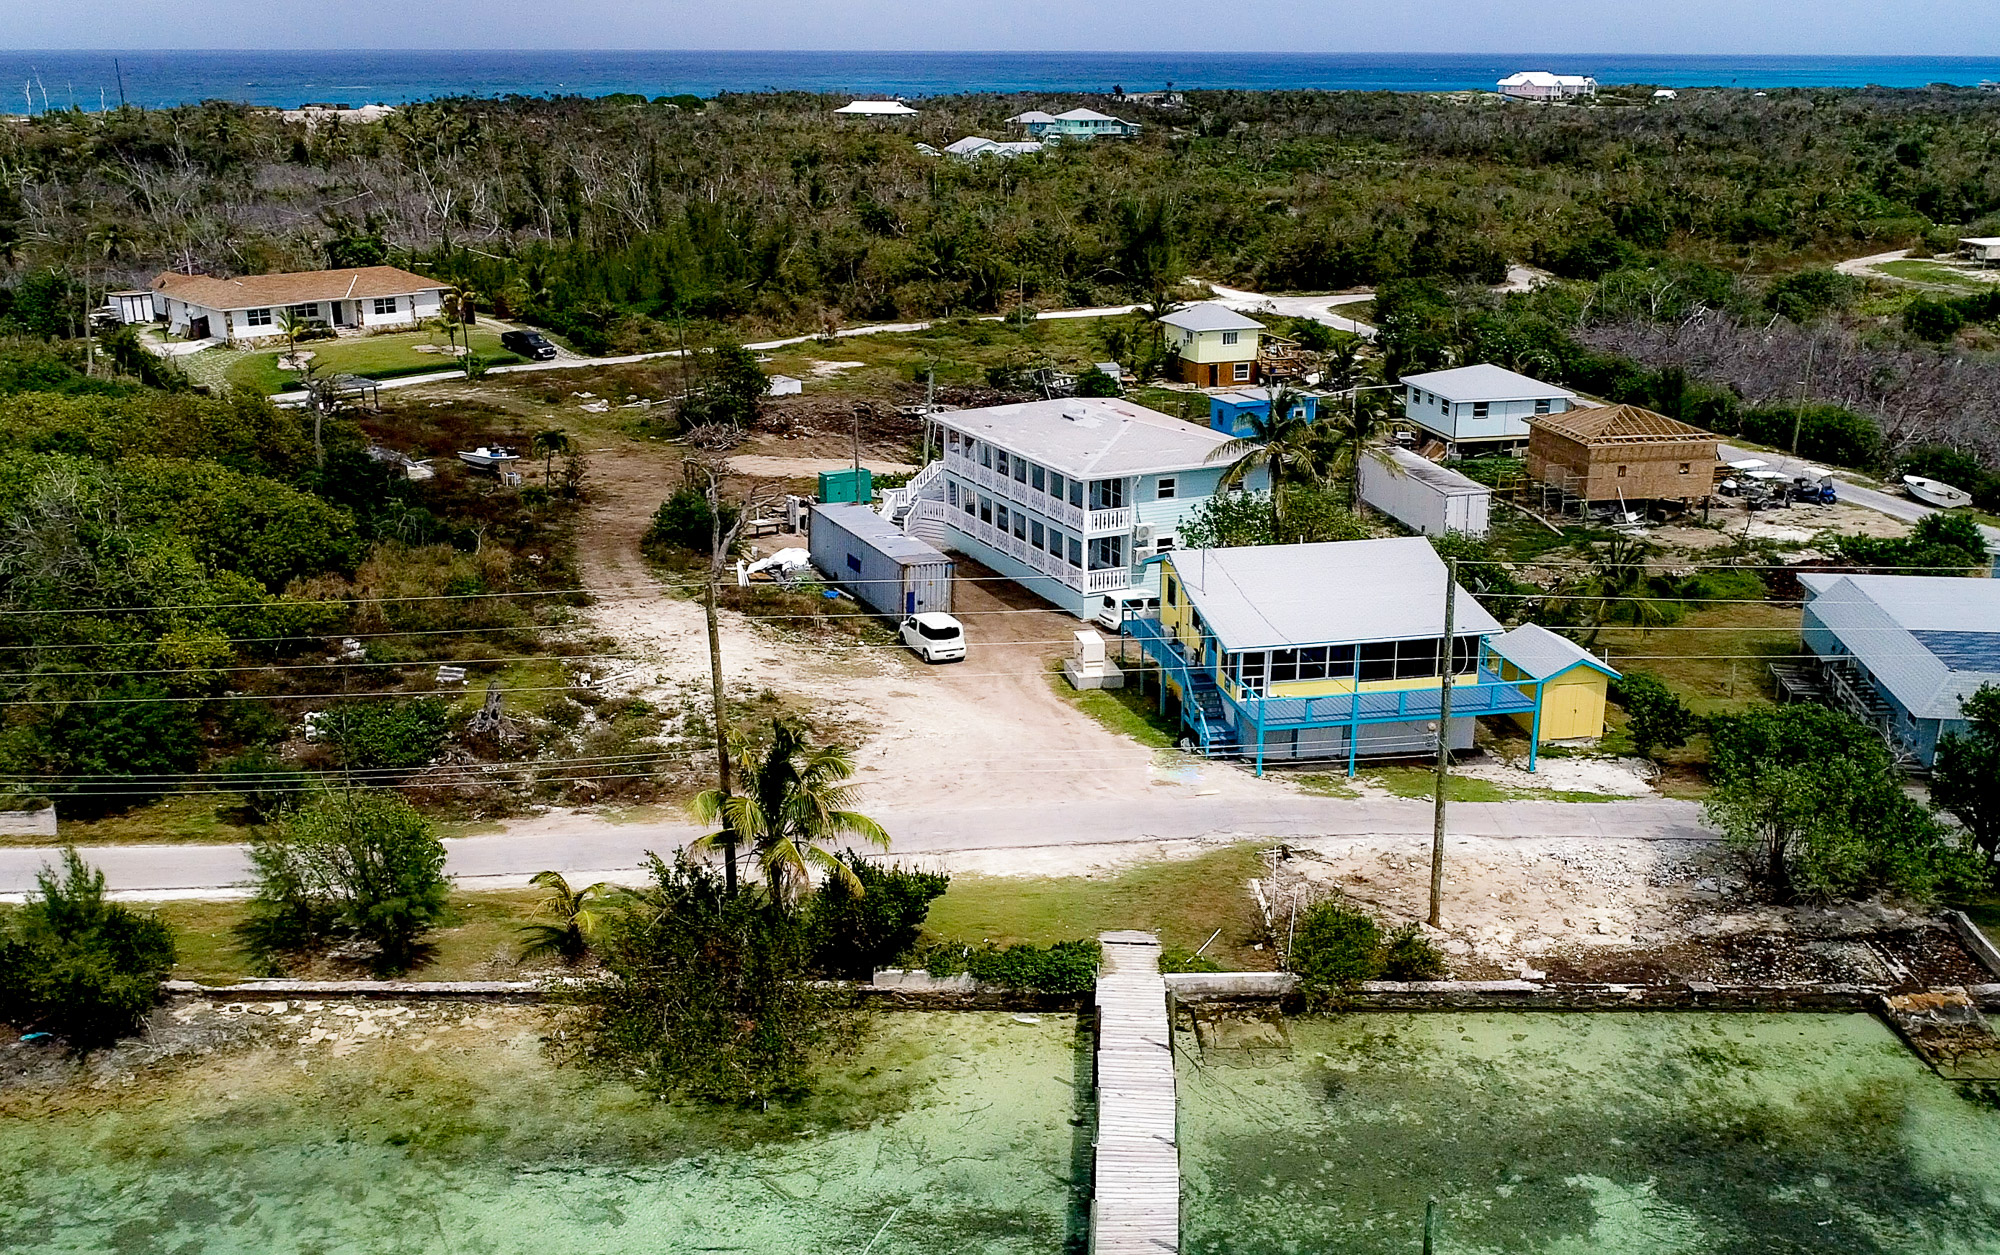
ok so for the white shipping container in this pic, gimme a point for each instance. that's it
(887, 571)
(1420, 494)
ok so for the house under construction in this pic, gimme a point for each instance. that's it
(1619, 455)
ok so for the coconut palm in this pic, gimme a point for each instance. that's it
(1349, 431)
(794, 801)
(552, 443)
(1620, 582)
(1283, 444)
(570, 916)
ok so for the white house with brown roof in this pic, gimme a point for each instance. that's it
(200, 306)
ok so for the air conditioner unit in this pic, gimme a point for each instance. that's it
(1142, 536)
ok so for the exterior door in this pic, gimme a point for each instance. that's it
(1214, 375)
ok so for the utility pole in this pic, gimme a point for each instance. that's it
(720, 544)
(859, 406)
(1799, 414)
(1444, 738)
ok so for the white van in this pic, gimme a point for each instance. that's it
(936, 637)
(1127, 603)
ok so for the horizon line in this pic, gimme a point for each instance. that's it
(1198, 54)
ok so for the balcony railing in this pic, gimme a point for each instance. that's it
(1101, 521)
(1110, 579)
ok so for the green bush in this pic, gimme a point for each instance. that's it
(853, 934)
(685, 522)
(1826, 433)
(358, 866)
(266, 783)
(77, 966)
(1067, 967)
(1936, 321)
(1655, 716)
(1335, 947)
(1409, 955)
(388, 733)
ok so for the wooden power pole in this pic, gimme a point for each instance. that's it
(1444, 738)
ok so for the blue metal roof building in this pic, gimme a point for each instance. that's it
(1230, 412)
(1903, 652)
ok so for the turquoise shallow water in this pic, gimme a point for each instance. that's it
(949, 1133)
(1554, 1134)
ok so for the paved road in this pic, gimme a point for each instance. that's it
(1891, 504)
(598, 851)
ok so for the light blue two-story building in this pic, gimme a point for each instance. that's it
(1484, 407)
(1069, 497)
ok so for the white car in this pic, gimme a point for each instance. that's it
(1130, 603)
(935, 637)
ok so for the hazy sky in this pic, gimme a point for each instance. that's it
(1477, 26)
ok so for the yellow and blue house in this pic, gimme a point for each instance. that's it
(1325, 651)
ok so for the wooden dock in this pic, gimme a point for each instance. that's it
(1136, 1201)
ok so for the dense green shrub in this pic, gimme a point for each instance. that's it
(76, 965)
(1940, 544)
(1936, 321)
(684, 522)
(358, 866)
(706, 995)
(1655, 716)
(387, 732)
(1335, 947)
(1805, 296)
(1826, 433)
(853, 933)
(1067, 967)
(1408, 955)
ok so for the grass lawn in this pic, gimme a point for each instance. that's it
(1421, 782)
(961, 351)
(1933, 273)
(1126, 711)
(1183, 901)
(477, 941)
(378, 357)
(192, 819)
(1716, 657)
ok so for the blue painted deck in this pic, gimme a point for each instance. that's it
(1221, 722)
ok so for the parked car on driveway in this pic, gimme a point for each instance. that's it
(936, 637)
(532, 345)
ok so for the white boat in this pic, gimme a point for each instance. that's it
(1936, 492)
(489, 457)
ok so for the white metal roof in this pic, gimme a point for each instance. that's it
(1485, 382)
(1904, 628)
(1257, 396)
(1427, 472)
(1092, 436)
(881, 535)
(1981, 241)
(971, 143)
(1542, 78)
(1089, 115)
(1209, 316)
(1341, 592)
(879, 108)
(1033, 115)
(1541, 654)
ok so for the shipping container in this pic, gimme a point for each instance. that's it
(1420, 494)
(852, 485)
(887, 571)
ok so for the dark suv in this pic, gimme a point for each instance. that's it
(529, 344)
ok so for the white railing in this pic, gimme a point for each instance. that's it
(926, 521)
(1110, 579)
(1119, 520)
(926, 483)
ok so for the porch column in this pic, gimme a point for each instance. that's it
(1354, 718)
(1535, 734)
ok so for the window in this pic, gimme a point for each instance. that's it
(1165, 491)
(1480, 408)
(985, 510)
(1378, 661)
(1340, 662)
(1000, 518)
(1020, 471)
(986, 456)
(256, 317)
(1055, 486)
(1415, 396)
(1542, 406)
(971, 506)
(1231, 337)
(308, 310)
(1284, 666)
(1000, 465)
(1416, 659)
(951, 492)
(1312, 663)
(1242, 371)
(1055, 542)
(1107, 494)
(1020, 526)
(949, 632)
(385, 305)
(1035, 534)
(1173, 592)
(1686, 468)
(951, 442)
(1250, 671)
(1035, 478)
(1621, 472)
(1076, 552)
(854, 563)
(1163, 544)
(1107, 552)
(1076, 493)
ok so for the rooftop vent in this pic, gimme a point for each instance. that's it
(1075, 413)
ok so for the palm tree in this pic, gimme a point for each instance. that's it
(291, 325)
(795, 799)
(550, 444)
(1621, 582)
(572, 915)
(1282, 443)
(1348, 434)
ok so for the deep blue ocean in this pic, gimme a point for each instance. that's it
(86, 79)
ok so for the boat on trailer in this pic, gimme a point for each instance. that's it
(1936, 492)
(489, 457)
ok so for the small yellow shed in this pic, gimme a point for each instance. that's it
(1572, 684)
